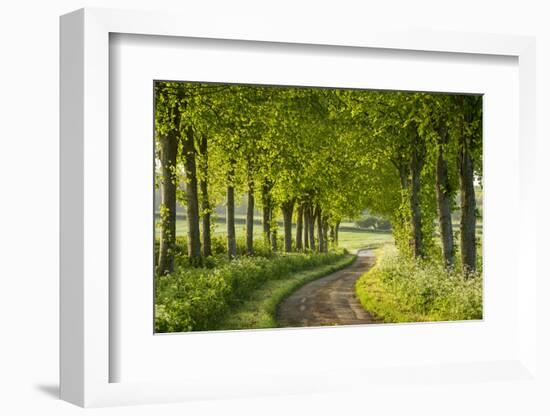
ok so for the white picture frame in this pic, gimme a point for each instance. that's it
(85, 179)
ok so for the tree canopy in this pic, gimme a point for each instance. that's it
(315, 157)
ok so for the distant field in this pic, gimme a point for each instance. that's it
(351, 237)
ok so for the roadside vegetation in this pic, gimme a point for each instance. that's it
(400, 289)
(198, 299)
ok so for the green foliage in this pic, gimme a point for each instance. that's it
(199, 298)
(401, 289)
(346, 150)
(219, 248)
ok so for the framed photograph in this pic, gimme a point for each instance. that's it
(275, 212)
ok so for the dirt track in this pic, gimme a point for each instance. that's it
(330, 300)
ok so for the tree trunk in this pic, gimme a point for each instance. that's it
(287, 208)
(333, 235)
(319, 220)
(299, 227)
(336, 231)
(325, 235)
(417, 161)
(250, 215)
(444, 200)
(191, 192)
(311, 232)
(168, 151)
(468, 204)
(205, 199)
(230, 214)
(307, 222)
(274, 227)
(266, 211)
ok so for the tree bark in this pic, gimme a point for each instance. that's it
(311, 232)
(168, 151)
(467, 201)
(444, 200)
(325, 234)
(287, 208)
(191, 192)
(299, 227)
(336, 231)
(274, 228)
(250, 214)
(230, 214)
(266, 212)
(333, 235)
(205, 199)
(307, 222)
(417, 162)
(319, 221)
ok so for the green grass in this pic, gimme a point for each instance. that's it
(356, 239)
(400, 289)
(260, 310)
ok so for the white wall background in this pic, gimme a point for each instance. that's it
(29, 210)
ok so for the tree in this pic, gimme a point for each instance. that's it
(300, 227)
(439, 120)
(250, 209)
(469, 151)
(166, 131)
(192, 195)
(230, 212)
(205, 198)
(168, 150)
(287, 209)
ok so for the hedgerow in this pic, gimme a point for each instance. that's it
(194, 299)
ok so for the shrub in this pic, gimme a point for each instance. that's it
(402, 289)
(197, 298)
(219, 247)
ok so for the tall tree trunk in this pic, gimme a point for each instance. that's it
(333, 235)
(311, 232)
(274, 228)
(444, 200)
(325, 234)
(287, 208)
(250, 214)
(336, 231)
(205, 199)
(319, 220)
(307, 222)
(299, 227)
(266, 212)
(467, 201)
(417, 162)
(168, 151)
(191, 192)
(230, 213)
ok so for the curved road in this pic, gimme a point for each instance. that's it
(329, 300)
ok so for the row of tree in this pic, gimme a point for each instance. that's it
(316, 156)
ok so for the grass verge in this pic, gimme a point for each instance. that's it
(399, 289)
(259, 311)
(199, 298)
